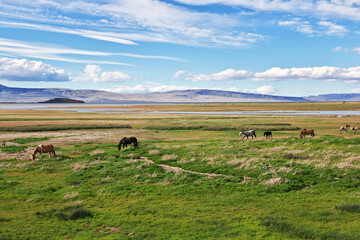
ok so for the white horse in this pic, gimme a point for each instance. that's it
(247, 134)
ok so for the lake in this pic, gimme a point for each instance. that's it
(108, 107)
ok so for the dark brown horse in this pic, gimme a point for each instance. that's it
(305, 132)
(49, 148)
(125, 141)
(268, 135)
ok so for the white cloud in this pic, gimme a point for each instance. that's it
(56, 52)
(128, 20)
(93, 73)
(332, 28)
(12, 69)
(345, 9)
(328, 74)
(321, 27)
(357, 50)
(146, 88)
(298, 25)
(103, 36)
(337, 49)
(309, 73)
(266, 89)
(351, 81)
(356, 90)
(228, 74)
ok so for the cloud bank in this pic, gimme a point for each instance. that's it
(94, 73)
(24, 70)
(325, 73)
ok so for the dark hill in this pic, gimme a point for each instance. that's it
(62, 100)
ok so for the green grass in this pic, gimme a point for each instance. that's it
(28, 140)
(354, 208)
(116, 196)
(285, 188)
(13, 149)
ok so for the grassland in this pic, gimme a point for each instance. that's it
(192, 177)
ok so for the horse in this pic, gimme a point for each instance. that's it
(268, 135)
(305, 132)
(125, 141)
(343, 129)
(49, 148)
(354, 129)
(247, 134)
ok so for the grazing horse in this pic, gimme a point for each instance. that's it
(342, 129)
(354, 129)
(268, 135)
(125, 141)
(305, 132)
(247, 134)
(44, 149)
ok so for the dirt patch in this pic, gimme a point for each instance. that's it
(168, 168)
(64, 138)
(19, 155)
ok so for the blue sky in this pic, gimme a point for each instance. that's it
(278, 47)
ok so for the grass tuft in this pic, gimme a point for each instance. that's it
(67, 213)
(349, 207)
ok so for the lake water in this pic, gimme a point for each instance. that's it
(108, 108)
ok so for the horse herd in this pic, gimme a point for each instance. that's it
(348, 128)
(50, 149)
(268, 134)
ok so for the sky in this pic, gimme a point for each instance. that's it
(277, 47)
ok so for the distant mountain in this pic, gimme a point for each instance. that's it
(350, 97)
(26, 95)
(10, 94)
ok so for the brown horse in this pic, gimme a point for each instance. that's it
(49, 148)
(305, 132)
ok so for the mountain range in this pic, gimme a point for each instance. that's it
(31, 95)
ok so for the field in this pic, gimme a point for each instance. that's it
(192, 177)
